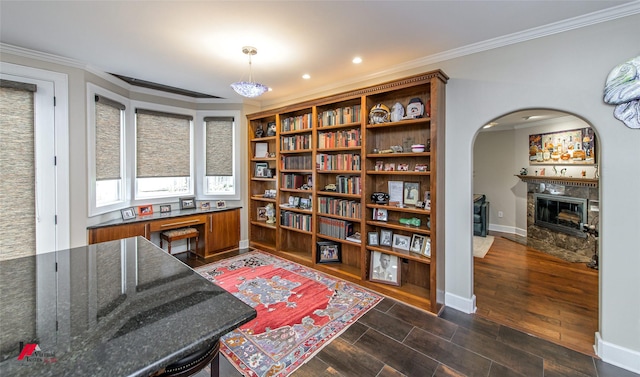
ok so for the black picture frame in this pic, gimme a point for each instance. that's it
(188, 202)
(372, 238)
(328, 252)
(165, 208)
(261, 170)
(386, 237)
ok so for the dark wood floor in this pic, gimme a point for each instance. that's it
(394, 339)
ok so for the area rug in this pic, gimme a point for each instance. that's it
(481, 245)
(300, 310)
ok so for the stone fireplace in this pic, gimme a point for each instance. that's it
(557, 209)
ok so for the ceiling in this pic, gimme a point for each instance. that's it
(197, 45)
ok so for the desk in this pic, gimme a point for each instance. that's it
(119, 308)
(219, 228)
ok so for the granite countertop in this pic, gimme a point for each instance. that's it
(159, 215)
(119, 308)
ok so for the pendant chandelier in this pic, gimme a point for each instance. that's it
(249, 89)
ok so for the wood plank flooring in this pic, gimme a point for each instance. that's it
(538, 293)
(395, 339)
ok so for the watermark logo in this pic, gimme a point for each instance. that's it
(32, 353)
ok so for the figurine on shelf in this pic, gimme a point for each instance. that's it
(414, 221)
(259, 132)
(415, 109)
(523, 171)
(270, 213)
(397, 112)
(271, 129)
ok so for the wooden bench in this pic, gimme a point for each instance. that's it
(180, 234)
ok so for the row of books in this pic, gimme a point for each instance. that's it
(293, 181)
(295, 142)
(297, 162)
(341, 161)
(340, 207)
(296, 220)
(340, 115)
(334, 227)
(340, 139)
(349, 184)
(300, 122)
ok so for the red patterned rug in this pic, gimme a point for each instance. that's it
(300, 310)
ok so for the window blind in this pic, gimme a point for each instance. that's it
(219, 146)
(162, 144)
(108, 138)
(17, 161)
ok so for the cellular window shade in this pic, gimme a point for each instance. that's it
(219, 144)
(162, 144)
(17, 162)
(108, 128)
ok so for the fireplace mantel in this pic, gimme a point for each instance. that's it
(559, 180)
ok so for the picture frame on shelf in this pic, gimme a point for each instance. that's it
(384, 268)
(205, 206)
(261, 168)
(426, 251)
(187, 203)
(386, 237)
(261, 214)
(421, 167)
(418, 243)
(262, 150)
(427, 200)
(372, 238)
(145, 210)
(403, 167)
(389, 166)
(128, 213)
(221, 204)
(165, 208)
(411, 193)
(305, 203)
(378, 166)
(401, 242)
(380, 214)
(328, 252)
(296, 201)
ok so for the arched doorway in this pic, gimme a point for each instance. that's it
(524, 282)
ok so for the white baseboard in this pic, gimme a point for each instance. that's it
(465, 305)
(616, 355)
(244, 244)
(508, 229)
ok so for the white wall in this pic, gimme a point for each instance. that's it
(565, 72)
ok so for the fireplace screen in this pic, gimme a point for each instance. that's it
(561, 213)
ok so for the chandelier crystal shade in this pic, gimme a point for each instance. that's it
(249, 88)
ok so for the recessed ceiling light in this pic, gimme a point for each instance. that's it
(357, 60)
(306, 76)
(489, 125)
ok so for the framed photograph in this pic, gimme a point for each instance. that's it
(389, 166)
(305, 203)
(261, 214)
(328, 252)
(205, 205)
(380, 214)
(261, 168)
(401, 242)
(418, 242)
(384, 268)
(296, 201)
(128, 213)
(165, 208)
(372, 238)
(427, 248)
(411, 193)
(403, 167)
(379, 166)
(421, 167)
(145, 210)
(221, 204)
(386, 236)
(187, 203)
(427, 200)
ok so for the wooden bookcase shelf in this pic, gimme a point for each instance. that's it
(332, 141)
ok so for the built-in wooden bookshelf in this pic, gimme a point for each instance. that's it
(328, 158)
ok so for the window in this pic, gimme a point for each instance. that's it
(106, 150)
(163, 154)
(219, 156)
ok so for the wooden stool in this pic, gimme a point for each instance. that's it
(180, 234)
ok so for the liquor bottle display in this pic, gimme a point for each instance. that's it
(355, 172)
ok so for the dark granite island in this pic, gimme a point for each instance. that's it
(119, 308)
